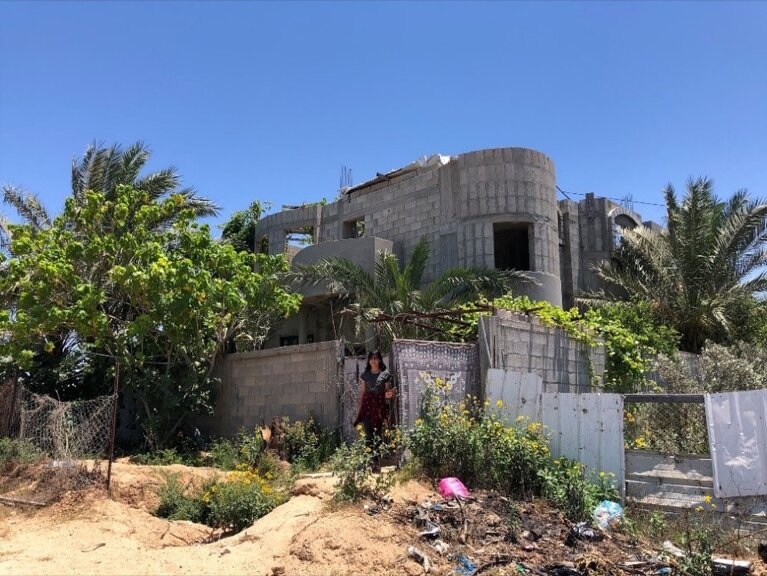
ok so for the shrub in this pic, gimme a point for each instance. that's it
(567, 485)
(477, 447)
(460, 440)
(163, 457)
(176, 505)
(231, 504)
(242, 499)
(351, 463)
(14, 451)
(308, 446)
(230, 453)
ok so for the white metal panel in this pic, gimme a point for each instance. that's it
(519, 391)
(587, 428)
(738, 439)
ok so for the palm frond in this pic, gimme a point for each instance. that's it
(413, 273)
(28, 206)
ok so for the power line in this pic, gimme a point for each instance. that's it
(609, 198)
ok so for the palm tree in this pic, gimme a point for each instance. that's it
(395, 297)
(697, 272)
(102, 169)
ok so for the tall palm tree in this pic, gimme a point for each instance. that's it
(695, 273)
(102, 169)
(396, 296)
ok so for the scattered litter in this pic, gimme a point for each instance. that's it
(669, 547)
(725, 567)
(465, 566)
(665, 571)
(431, 529)
(441, 547)
(531, 535)
(452, 488)
(529, 547)
(562, 570)
(371, 510)
(607, 514)
(582, 531)
(94, 547)
(419, 557)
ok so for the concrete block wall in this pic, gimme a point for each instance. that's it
(293, 381)
(455, 206)
(521, 343)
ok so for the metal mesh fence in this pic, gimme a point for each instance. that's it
(67, 430)
(668, 423)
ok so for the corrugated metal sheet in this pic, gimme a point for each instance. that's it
(587, 428)
(521, 393)
(583, 427)
(737, 433)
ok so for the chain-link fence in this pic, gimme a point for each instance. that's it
(67, 430)
(668, 423)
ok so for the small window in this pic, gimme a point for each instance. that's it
(288, 340)
(299, 237)
(354, 228)
(512, 245)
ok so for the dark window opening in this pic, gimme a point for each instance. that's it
(354, 228)
(288, 340)
(512, 246)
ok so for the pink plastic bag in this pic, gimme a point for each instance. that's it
(452, 487)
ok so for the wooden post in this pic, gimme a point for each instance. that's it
(114, 428)
(13, 400)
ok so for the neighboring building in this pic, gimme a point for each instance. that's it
(496, 208)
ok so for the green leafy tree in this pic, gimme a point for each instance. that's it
(700, 271)
(60, 365)
(240, 229)
(163, 302)
(396, 296)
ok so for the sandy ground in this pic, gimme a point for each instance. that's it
(86, 532)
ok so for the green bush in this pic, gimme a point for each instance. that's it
(163, 457)
(14, 451)
(176, 505)
(308, 446)
(244, 449)
(231, 504)
(352, 463)
(567, 485)
(469, 441)
(241, 500)
(460, 440)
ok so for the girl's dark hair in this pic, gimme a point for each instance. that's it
(381, 364)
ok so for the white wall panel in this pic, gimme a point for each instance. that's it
(737, 432)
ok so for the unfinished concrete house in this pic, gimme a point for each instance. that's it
(495, 207)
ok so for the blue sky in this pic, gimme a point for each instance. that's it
(267, 101)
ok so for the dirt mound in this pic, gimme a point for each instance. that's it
(47, 482)
(87, 532)
(138, 485)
